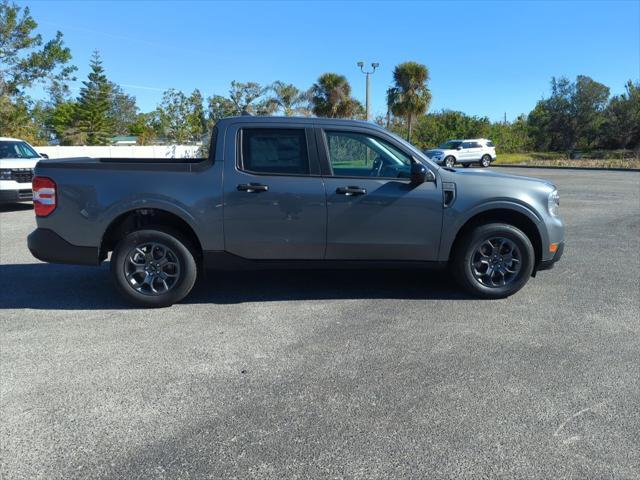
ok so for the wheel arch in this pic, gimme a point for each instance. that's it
(516, 217)
(138, 218)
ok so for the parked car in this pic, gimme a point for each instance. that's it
(464, 152)
(17, 161)
(293, 192)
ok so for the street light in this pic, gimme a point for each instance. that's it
(374, 65)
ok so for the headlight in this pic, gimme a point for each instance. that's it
(553, 202)
(5, 174)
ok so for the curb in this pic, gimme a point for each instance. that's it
(554, 167)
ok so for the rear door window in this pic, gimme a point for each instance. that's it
(274, 151)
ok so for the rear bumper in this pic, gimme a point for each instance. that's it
(13, 196)
(548, 264)
(48, 246)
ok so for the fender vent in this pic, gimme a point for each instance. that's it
(448, 194)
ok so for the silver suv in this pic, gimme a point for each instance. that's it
(464, 152)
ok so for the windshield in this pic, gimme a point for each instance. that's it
(16, 149)
(450, 145)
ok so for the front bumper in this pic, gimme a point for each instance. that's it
(48, 246)
(14, 196)
(548, 264)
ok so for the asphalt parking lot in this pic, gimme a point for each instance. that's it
(332, 374)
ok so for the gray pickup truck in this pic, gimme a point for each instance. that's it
(293, 192)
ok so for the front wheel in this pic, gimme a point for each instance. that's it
(449, 161)
(494, 260)
(153, 268)
(485, 161)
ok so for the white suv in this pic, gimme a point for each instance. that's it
(17, 161)
(465, 152)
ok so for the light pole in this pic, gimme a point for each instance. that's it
(374, 65)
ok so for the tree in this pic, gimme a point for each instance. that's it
(331, 97)
(94, 105)
(144, 128)
(587, 106)
(179, 118)
(571, 117)
(219, 107)
(409, 96)
(622, 119)
(60, 122)
(288, 99)
(123, 110)
(243, 95)
(26, 60)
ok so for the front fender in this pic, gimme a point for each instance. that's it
(454, 220)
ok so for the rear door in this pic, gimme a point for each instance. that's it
(473, 151)
(374, 213)
(274, 197)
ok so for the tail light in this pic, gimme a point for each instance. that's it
(44, 196)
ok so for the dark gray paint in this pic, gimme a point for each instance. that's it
(299, 217)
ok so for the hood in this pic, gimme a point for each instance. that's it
(434, 151)
(485, 175)
(18, 162)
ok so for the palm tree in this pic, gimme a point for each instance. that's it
(409, 96)
(287, 98)
(331, 97)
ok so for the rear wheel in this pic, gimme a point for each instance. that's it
(153, 268)
(485, 161)
(494, 260)
(450, 161)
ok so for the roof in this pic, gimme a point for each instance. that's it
(299, 120)
(9, 139)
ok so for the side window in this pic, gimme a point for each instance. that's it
(490, 144)
(467, 145)
(275, 151)
(360, 155)
(475, 145)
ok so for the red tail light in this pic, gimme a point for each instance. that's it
(44, 196)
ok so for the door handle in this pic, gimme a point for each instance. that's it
(252, 187)
(351, 190)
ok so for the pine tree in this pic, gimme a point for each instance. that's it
(94, 105)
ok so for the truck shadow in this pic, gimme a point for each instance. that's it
(67, 287)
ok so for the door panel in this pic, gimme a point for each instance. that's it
(378, 214)
(274, 215)
(393, 220)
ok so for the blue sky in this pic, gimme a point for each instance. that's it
(484, 58)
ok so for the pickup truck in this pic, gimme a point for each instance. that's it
(293, 192)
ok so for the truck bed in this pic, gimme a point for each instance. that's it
(162, 164)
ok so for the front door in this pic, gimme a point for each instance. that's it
(374, 213)
(274, 198)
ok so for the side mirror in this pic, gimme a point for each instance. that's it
(421, 174)
(44, 155)
(459, 148)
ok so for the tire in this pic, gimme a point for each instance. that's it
(470, 261)
(485, 161)
(449, 161)
(153, 267)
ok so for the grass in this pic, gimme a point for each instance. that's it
(553, 159)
